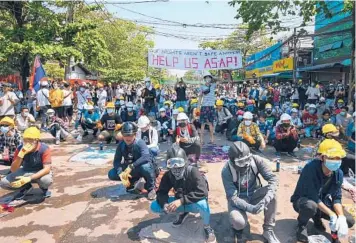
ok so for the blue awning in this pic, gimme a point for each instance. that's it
(288, 74)
(270, 75)
(321, 66)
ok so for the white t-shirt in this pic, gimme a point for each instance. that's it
(68, 100)
(82, 98)
(7, 109)
(102, 95)
(42, 97)
(23, 122)
(313, 93)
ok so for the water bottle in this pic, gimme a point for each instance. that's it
(101, 146)
(278, 165)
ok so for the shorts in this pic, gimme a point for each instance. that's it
(108, 135)
(207, 114)
(68, 111)
(59, 111)
(197, 124)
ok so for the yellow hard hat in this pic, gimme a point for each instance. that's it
(219, 102)
(180, 109)
(122, 98)
(240, 104)
(7, 121)
(340, 101)
(167, 102)
(32, 133)
(193, 101)
(110, 105)
(268, 106)
(331, 148)
(157, 86)
(329, 128)
(295, 105)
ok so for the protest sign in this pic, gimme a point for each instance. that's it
(194, 59)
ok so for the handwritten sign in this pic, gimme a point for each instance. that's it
(194, 59)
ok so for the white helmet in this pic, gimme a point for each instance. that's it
(162, 110)
(322, 99)
(207, 73)
(147, 79)
(44, 83)
(129, 104)
(285, 117)
(248, 115)
(50, 111)
(175, 112)
(182, 116)
(143, 121)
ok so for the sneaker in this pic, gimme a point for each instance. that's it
(302, 234)
(57, 141)
(46, 193)
(292, 154)
(152, 195)
(318, 224)
(270, 236)
(23, 192)
(180, 219)
(238, 236)
(209, 234)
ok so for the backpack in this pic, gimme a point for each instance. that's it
(254, 170)
(232, 126)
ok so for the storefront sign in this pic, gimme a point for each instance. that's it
(285, 64)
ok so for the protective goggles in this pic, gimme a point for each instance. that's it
(244, 161)
(175, 163)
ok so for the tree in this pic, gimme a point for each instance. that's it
(190, 75)
(54, 70)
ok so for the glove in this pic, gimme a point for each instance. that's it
(125, 175)
(99, 126)
(20, 181)
(342, 227)
(25, 150)
(256, 209)
(126, 183)
(118, 127)
(333, 222)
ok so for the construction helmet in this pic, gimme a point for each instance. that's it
(157, 86)
(268, 106)
(219, 102)
(180, 109)
(7, 121)
(295, 105)
(193, 101)
(331, 148)
(329, 128)
(143, 122)
(240, 104)
(110, 105)
(32, 133)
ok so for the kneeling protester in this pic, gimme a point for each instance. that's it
(191, 191)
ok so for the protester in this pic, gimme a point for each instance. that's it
(286, 136)
(223, 117)
(191, 192)
(109, 125)
(249, 133)
(82, 97)
(68, 103)
(149, 95)
(350, 133)
(8, 102)
(137, 162)
(57, 127)
(24, 120)
(89, 120)
(310, 121)
(318, 193)
(245, 193)
(129, 114)
(31, 164)
(313, 93)
(343, 119)
(10, 139)
(163, 119)
(56, 98)
(148, 134)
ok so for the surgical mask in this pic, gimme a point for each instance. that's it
(248, 123)
(110, 110)
(122, 102)
(82, 89)
(207, 79)
(4, 129)
(25, 114)
(178, 173)
(343, 113)
(148, 85)
(129, 109)
(182, 124)
(311, 111)
(166, 107)
(339, 105)
(250, 107)
(239, 117)
(333, 165)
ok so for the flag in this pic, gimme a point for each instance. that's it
(38, 73)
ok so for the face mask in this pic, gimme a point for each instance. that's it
(148, 85)
(250, 107)
(313, 84)
(25, 114)
(240, 117)
(248, 123)
(90, 112)
(182, 124)
(138, 106)
(166, 107)
(129, 109)
(343, 113)
(333, 165)
(122, 102)
(340, 105)
(82, 89)
(312, 111)
(4, 129)
(178, 173)
(268, 111)
(285, 125)
(110, 110)
(207, 79)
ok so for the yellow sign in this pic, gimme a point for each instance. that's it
(259, 72)
(285, 64)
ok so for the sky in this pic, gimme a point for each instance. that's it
(182, 11)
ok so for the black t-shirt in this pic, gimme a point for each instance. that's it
(145, 137)
(109, 122)
(126, 117)
(181, 94)
(149, 96)
(330, 93)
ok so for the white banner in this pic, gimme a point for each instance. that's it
(194, 59)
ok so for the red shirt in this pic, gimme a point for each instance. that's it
(309, 119)
(46, 157)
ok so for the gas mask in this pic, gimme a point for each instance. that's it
(178, 173)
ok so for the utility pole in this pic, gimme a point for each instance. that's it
(70, 14)
(295, 56)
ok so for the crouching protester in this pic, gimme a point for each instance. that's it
(10, 139)
(57, 127)
(245, 193)
(133, 161)
(286, 136)
(318, 193)
(191, 191)
(32, 164)
(109, 125)
(187, 137)
(148, 134)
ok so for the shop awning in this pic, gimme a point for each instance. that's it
(320, 66)
(280, 75)
(271, 75)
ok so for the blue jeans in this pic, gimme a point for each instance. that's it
(182, 104)
(236, 138)
(154, 151)
(309, 129)
(201, 207)
(329, 102)
(146, 171)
